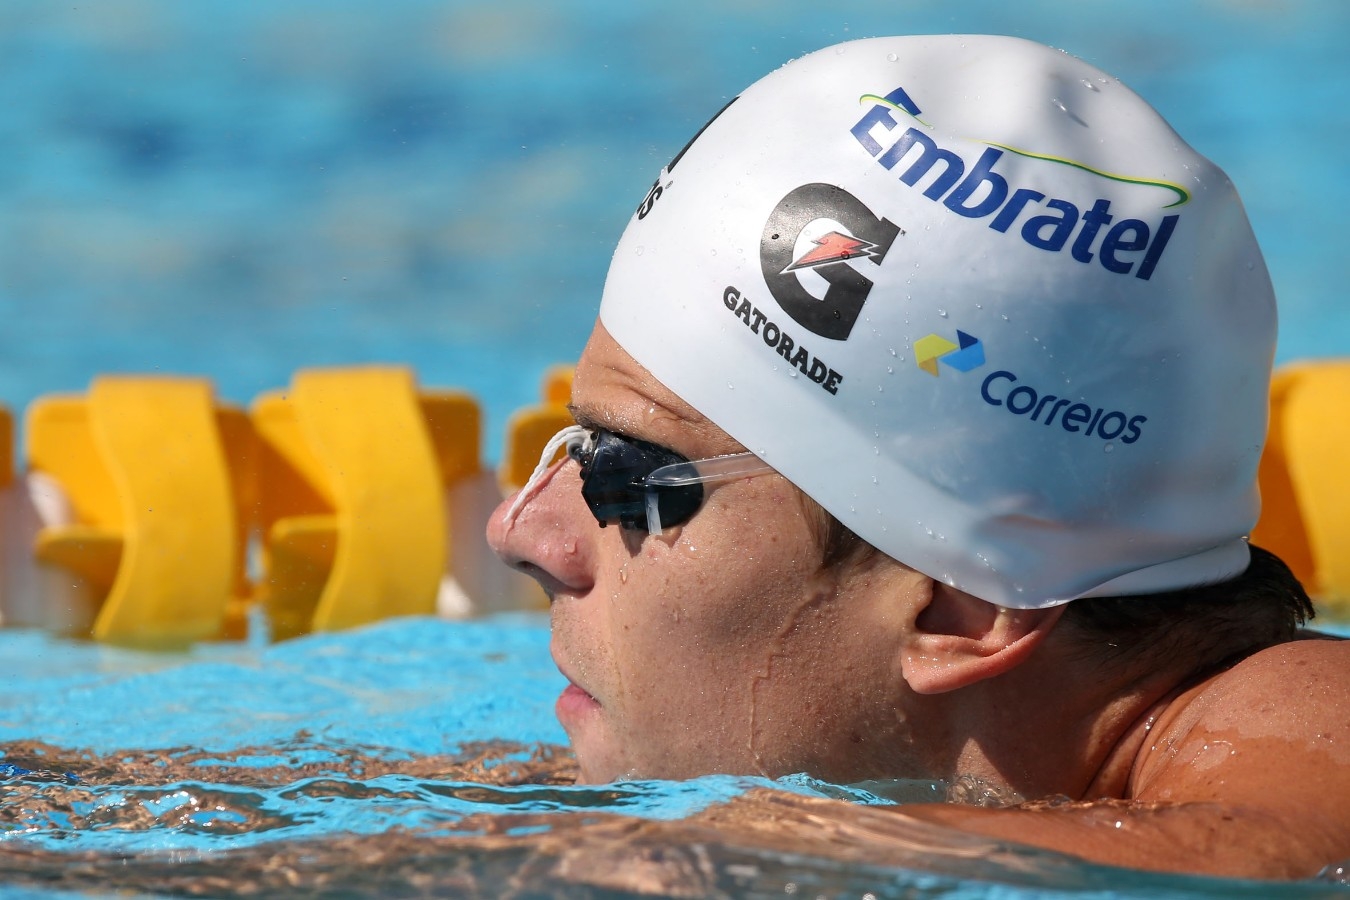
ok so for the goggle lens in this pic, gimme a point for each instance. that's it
(614, 482)
(645, 485)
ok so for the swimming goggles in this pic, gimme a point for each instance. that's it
(638, 483)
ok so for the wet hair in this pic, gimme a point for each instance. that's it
(838, 543)
(1207, 625)
(1263, 606)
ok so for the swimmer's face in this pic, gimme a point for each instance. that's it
(719, 645)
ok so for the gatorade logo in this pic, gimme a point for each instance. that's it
(832, 248)
(963, 356)
(824, 232)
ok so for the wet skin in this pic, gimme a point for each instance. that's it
(716, 646)
(1245, 774)
(723, 646)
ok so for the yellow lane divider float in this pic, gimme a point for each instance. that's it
(151, 514)
(151, 524)
(1305, 480)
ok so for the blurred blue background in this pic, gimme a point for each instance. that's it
(239, 189)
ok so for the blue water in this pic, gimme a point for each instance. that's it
(218, 762)
(239, 190)
(242, 189)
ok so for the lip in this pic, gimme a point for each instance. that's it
(574, 703)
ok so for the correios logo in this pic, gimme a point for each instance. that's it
(966, 354)
(1005, 390)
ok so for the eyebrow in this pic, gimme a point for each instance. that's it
(591, 423)
(700, 428)
(582, 418)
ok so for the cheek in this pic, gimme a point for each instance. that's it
(717, 587)
(682, 631)
(701, 613)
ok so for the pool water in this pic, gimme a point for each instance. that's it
(418, 757)
(241, 190)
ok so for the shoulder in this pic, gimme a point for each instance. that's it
(1243, 774)
(1314, 657)
(1268, 737)
(1285, 701)
(1284, 689)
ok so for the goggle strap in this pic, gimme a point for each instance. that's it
(705, 471)
(568, 437)
(653, 513)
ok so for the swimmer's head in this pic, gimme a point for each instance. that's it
(976, 299)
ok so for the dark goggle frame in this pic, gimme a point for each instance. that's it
(645, 485)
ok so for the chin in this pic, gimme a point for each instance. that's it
(596, 762)
(590, 772)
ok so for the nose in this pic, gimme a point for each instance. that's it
(551, 537)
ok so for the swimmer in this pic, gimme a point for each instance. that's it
(917, 437)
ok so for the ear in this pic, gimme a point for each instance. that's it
(959, 639)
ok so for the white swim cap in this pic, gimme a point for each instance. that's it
(980, 302)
